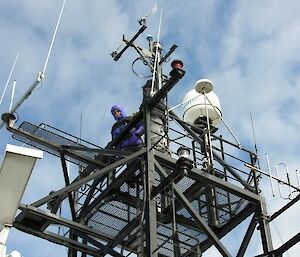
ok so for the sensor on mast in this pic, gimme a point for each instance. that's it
(195, 107)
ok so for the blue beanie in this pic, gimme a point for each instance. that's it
(117, 107)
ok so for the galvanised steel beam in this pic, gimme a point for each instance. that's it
(285, 207)
(67, 182)
(254, 198)
(73, 186)
(201, 223)
(215, 155)
(125, 232)
(61, 240)
(264, 227)
(150, 229)
(197, 218)
(247, 237)
(56, 147)
(225, 229)
(282, 249)
(99, 173)
(91, 192)
(207, 178)
(93, 206)
(62, 221)
(96, 182)
(70, 196)
(104, 248)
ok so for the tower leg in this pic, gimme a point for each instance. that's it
(150, 204)
(265, 228)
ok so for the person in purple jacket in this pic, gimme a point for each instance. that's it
(133, 140)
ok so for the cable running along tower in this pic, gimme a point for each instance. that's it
(178, 195)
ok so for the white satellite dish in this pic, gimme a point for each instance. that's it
(201, 102)
(204, 86)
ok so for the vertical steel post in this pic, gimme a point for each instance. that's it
(265, 228)
(150, 204)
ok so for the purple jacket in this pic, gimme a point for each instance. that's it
(134, 136)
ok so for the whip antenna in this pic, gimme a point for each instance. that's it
(39, 78)
(253, 132)
(9, 76)
(156, 54)
(53, 38)
(153, 10)
(12, 95)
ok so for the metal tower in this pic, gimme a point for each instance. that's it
(178, 195)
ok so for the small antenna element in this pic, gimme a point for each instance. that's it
(40, 75)
(287, 179)
(156, 56)
(270, 174)
(53, 38)
(253, 132)
(12, 95)
(9, 76)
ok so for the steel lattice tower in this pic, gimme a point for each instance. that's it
(151, 202)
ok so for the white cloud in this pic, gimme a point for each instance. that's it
(249, 49)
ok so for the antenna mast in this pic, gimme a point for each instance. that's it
(153, 201)
(40, 77)
(253, 132)
(156, 71)
(9, 76)
(53, 38)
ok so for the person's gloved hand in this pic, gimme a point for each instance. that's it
(139, 132)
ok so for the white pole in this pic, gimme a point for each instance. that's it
(40, 75)
(230, 131)
(270, 174)
(156, 56)
(25, 96)
(12, 95)
(298, 180)
(9, 76)
(208, 131)
(53, 38)
(3, 237)
(178, 105)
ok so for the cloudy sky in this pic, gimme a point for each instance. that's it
(250, 49)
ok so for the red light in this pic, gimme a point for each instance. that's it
(177, 64)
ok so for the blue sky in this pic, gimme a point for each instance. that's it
(249, 49)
